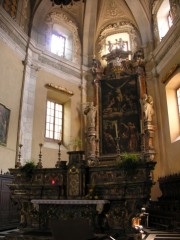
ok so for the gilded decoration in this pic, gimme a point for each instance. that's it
(59, 88)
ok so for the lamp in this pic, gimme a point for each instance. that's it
(63, 2)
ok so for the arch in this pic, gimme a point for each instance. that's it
(144, 24)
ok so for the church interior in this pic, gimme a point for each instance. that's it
(90, 119)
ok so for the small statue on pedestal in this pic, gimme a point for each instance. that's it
(148, 109)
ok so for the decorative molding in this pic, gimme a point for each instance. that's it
(59, 88)
(170, 73)
(58, 66)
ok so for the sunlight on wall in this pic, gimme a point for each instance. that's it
(172, 105)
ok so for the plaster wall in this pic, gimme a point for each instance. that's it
(72, 120)
(11, 75)
(168, 151)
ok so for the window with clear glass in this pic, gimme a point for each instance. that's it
(164, 18)
(58, 44)
(54, 121)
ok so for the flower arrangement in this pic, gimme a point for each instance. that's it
(129, 162)
(28, 169)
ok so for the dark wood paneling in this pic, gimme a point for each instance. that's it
(9, 217)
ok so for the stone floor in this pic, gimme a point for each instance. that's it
(148, 234)
(155, 234)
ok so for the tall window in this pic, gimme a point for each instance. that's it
(58, 44)
(178, 100)
(54, 120)
(164, 18)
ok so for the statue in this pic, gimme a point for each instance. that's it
(97, 70)
(148, 109)
(90, 111)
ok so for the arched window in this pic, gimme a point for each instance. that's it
(164, 18)
(61, 41)
(62, 36)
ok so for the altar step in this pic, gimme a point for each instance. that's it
(155, 234)
(3, 234)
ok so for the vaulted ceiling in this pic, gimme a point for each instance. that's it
(92, 16)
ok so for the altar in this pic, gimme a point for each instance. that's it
(110, 181)
(54, 210)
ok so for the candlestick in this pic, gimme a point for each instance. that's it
(39, 165)
(18, 163)
(59, 155)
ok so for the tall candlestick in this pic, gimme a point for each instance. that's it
(39, 165)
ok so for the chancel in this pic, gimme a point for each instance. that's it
(89, 119)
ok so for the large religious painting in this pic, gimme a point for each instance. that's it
(120, 115)
(4, 122)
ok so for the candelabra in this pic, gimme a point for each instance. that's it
(59, 155)
(18, 163)
(39, 165)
